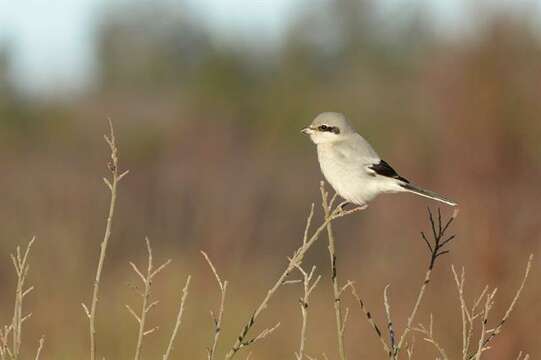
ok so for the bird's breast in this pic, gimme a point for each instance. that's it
(346, 175)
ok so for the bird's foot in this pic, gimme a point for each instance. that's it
(362, 207)
(343, 207)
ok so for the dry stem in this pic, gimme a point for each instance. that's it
(371, 321)
(489, 303)
(469, 315)
(308, 286)
(392, 337)
(20, 262)
(112, 184)
(178, 321)
(40, 348)
(337, 302)
(436, 250)
(148, 304)
(217, 320)
(499, 327)
(294, 261)
(429, 337)
(487, 336)
(15, 328)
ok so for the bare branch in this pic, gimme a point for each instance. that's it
(436, 250)
(466, 318)
(112, 185)
(217, 321)
(147, 304)
(211, 265)
(178, 321)
(483, 345)
(337, 302)
(295, 260)
(40, 348)
(304, 302)
(22, 266)
(392, 338)
(137, 271)
(429, 337)
(371, 321)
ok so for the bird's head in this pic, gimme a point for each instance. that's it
(328, 127)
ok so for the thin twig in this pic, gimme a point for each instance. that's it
(295, 260)
(178, 321)
(40, 347)
(371, 321)
(148, 304)
(308, 287)
(112, 184)
(5, 351)
(217, 320)
(436, 250)
(12, 333)
(392, 338)
(410, 347)
(20, 262)
(463, 310)
(337, 302)
(497, 330)
(429, 337)
(468, 315)
(489, 303)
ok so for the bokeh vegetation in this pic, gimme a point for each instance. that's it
(210, 131)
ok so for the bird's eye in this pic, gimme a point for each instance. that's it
(323, 127)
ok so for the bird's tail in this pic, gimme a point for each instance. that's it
(426, 193)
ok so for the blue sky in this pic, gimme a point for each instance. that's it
(51, 39)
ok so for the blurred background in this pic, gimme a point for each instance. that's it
(208, 97)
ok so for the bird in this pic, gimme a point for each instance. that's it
(351, 165)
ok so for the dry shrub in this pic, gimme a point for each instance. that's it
(474, 346)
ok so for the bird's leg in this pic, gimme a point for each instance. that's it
(361, 207)
(344, 205)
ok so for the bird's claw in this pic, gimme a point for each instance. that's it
(344, 205)
(342, 208)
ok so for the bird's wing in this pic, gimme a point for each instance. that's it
(361, 153)
(382, 168)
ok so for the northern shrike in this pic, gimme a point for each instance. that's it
(352, 167)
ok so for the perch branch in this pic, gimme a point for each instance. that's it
(294, 260)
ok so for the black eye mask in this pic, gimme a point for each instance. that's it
(331, 129)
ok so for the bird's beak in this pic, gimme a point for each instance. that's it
(307, 131)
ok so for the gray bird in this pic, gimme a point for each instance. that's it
(352, 166)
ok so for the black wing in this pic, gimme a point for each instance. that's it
(384, 169)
